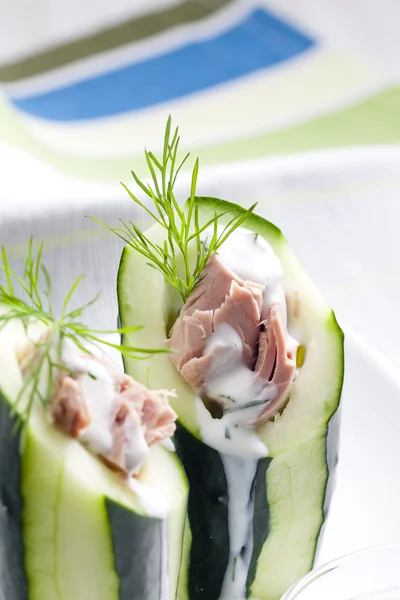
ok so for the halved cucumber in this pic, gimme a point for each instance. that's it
(293, 500)
(70, 529)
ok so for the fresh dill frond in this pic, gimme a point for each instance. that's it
(183, 229)
(28, 298)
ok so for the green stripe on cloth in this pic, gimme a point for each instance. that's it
(373, 121)
(114, 37)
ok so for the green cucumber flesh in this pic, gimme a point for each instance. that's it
(69, 527)
(302, 445)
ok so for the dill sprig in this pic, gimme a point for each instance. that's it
(183, 229)
(22, 298)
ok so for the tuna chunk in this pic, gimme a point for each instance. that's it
(156, 415)
(190, 336)
(196, 370)
(219, 297)
(214, 286)
(68, 407)
(137, 418)
(223, 297)
(274, 363)
(241, 311)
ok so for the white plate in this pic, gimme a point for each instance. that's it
(365, 507)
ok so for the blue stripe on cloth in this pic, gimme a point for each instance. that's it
(261, 40)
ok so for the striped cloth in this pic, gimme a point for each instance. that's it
(84, 87)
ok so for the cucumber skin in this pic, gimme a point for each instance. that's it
(208, 516)
(332, 440)
(139, 571)
(261, 518)
(13, 581)
(333, 428)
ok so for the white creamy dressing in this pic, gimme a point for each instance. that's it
(168, 444)
(99, 394)
(239, 473)
(232, 380)
(136, 447)
(242, 441)
(149, 498)
(239, 454)
(253, 259)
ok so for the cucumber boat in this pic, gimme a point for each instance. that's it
(257, 366)
(91, 506)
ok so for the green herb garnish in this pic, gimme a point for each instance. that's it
(183, 228)
(21, 298)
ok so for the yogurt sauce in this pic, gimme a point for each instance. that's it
(239, 473)
(149, 499)
(253, 259)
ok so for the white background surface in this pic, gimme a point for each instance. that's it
(364, 510)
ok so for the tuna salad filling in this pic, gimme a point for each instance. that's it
(115, 417)
(231, 342)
